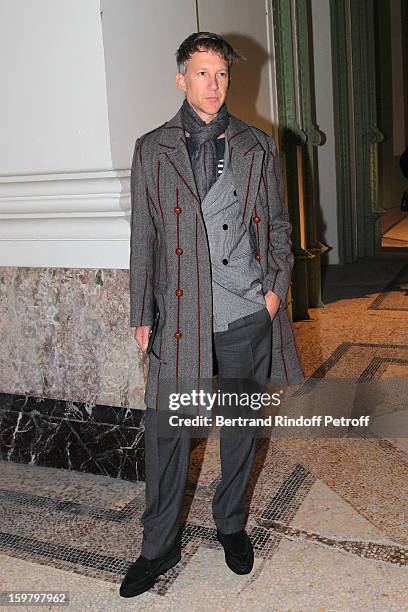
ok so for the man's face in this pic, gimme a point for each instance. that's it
(205, 83)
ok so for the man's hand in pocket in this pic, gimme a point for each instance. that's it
(272, 303)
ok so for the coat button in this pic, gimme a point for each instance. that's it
(178, 335)
(225, 226)
(258, 257)
(225, 261)
(177, 210)
(179, 251)
(256, 219)
(179, 292)
(235, 193)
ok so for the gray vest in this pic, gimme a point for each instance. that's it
(236, 274)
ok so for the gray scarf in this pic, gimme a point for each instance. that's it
(203, 136)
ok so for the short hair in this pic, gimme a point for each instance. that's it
(205, 41)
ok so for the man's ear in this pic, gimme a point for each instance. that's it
(181, 81)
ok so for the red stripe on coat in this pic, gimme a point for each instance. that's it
(281, 349)
(183, 179)
(198, 300)
(248, 186)
(158, 190)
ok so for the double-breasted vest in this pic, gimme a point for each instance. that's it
(236, 274)
(170, 261)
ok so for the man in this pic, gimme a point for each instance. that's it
(210, 268)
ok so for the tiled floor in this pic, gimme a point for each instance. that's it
(328, 517)
(395, 229)
(391, 217)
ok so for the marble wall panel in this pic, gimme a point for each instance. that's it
(64, 334)
(71, 379)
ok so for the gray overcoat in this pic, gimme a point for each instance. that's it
(170, 257)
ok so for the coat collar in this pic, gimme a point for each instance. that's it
(246, 154)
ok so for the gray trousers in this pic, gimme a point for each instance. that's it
(242, 352)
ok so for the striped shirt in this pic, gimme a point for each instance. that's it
(220, 144)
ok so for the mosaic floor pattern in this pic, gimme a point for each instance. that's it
(328, 518)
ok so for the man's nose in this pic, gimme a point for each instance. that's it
(213, 83)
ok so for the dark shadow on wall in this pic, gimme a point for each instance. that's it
(321, 225)
(246, 81)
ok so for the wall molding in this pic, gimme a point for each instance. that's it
(65, 194)
(77, 219)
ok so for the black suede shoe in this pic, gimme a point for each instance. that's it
(239, 554)
(143, 573)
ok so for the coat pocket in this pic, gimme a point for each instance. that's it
(153, 357)
(155, 326)
(155, 345)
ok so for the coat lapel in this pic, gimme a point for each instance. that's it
(246, 154)
(173, 149)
